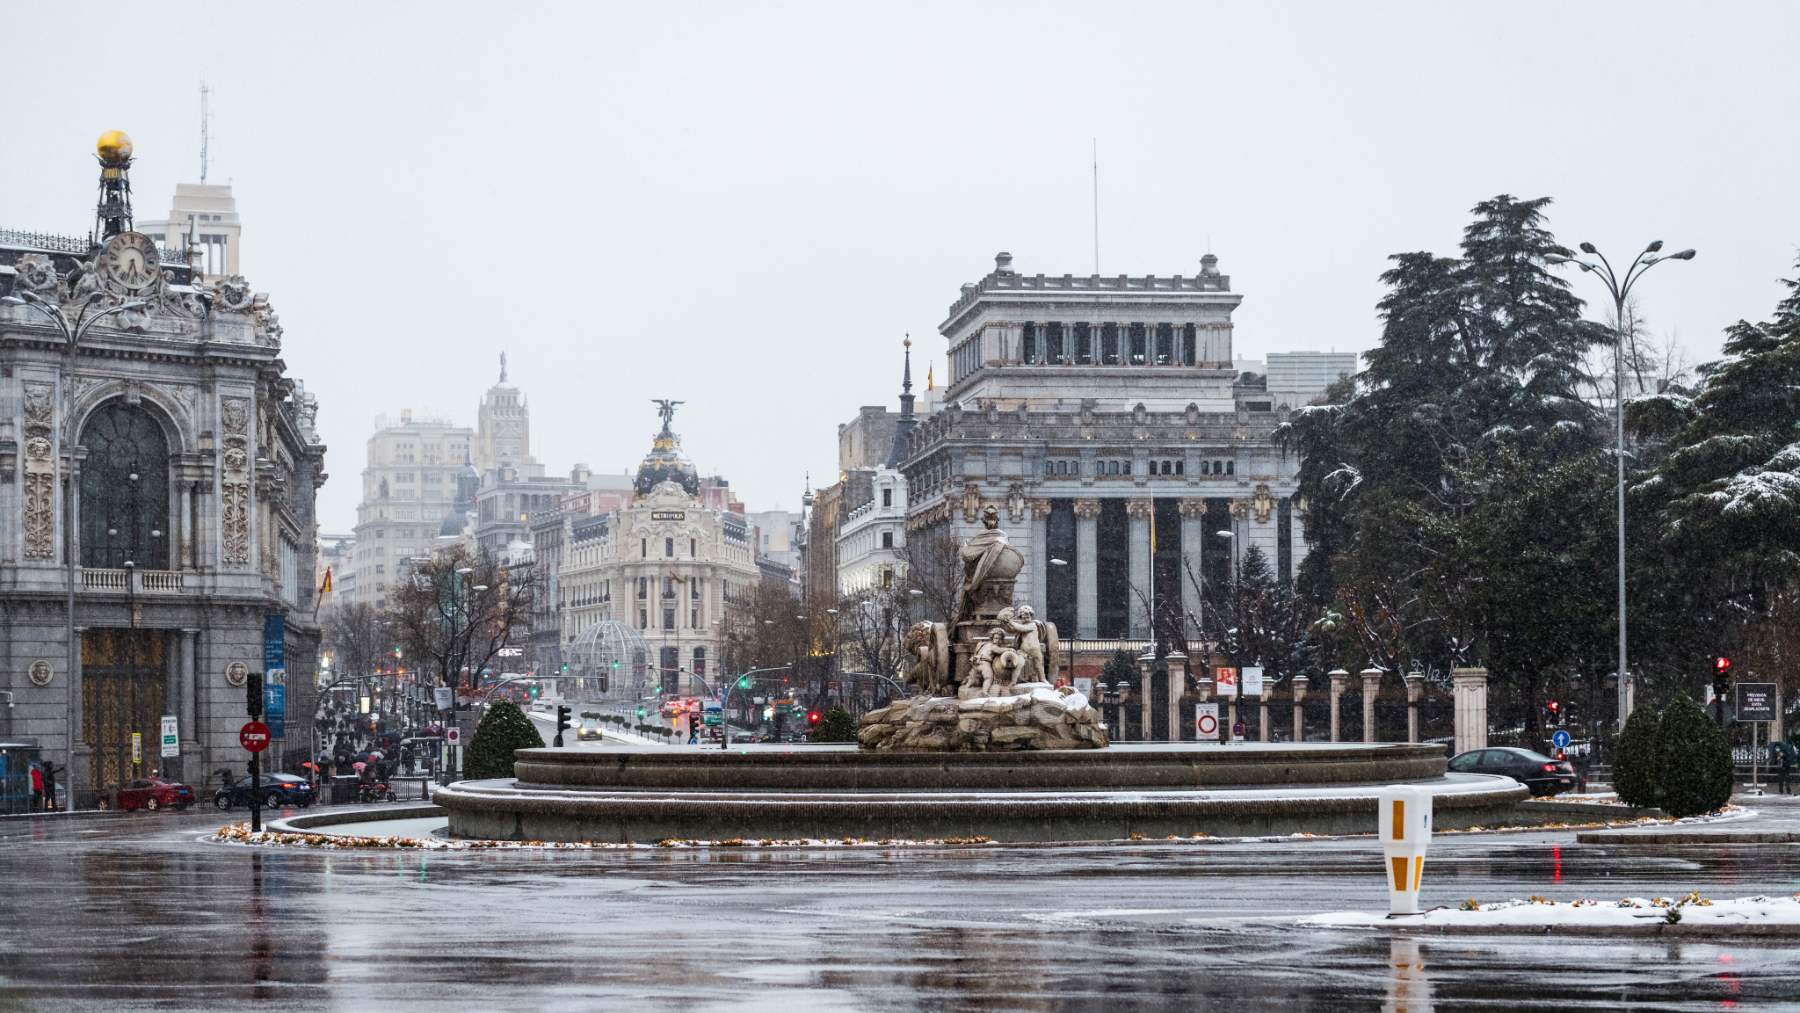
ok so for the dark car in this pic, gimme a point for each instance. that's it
(154, 793)
(1535, 771)
(277, 790)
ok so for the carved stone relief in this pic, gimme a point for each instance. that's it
(40, 472)
(234, 505)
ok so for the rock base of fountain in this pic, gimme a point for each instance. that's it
(1035, 716)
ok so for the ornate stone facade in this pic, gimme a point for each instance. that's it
(150, 442)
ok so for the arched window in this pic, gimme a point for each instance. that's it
(124, 490)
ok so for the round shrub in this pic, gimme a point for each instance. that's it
(1693, 761)
(1635, 759)
(503, 729)
(836, 726)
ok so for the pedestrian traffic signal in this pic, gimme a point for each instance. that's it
(744, 682)
(640, 709)
(615, 664)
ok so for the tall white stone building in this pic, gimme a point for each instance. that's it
(158, 472)
(1103, 417)
(417, 472)
(871, 529)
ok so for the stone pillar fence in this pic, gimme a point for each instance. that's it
(1371, 688)
(1338, 678)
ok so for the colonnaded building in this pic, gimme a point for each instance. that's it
(1104, 418)
(158, 470)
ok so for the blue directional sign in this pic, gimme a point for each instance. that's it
(1561, 739)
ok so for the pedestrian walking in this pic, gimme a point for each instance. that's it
(37, 788)
(1784, 765)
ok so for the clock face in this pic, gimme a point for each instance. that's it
(130, 261)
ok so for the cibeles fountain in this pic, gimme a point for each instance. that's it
(987, 745)
(986, 681)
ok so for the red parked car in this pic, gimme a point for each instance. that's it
(155, 793)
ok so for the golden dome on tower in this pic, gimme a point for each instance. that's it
(113, 146)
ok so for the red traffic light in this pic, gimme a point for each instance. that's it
(812, 717)
(1721, 664)
(1553, 706)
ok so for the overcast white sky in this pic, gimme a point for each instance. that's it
(745, 206)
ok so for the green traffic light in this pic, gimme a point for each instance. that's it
(744, 683)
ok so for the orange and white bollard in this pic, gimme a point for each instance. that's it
(1404, 826)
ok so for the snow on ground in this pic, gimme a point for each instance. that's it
(1540, 913)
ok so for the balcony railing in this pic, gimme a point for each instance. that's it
(148, 581)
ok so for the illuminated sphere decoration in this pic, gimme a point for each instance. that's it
(113, 147)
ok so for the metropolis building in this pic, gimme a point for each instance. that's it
(650, 583)
(1128, 459)
(158, 468)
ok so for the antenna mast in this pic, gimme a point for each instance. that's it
(205, 128)
(1096, 205)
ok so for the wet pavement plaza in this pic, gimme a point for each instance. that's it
(137, 912)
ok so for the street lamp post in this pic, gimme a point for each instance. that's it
(1619, 287)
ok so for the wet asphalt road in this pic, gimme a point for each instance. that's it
(132, 911)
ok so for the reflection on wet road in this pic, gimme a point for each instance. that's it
(134, 911)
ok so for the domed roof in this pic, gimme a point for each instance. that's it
(666, 462)
(454, 522)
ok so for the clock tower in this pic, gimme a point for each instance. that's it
(112, 213)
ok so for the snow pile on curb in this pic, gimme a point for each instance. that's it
(1541, 913)
(240, 833)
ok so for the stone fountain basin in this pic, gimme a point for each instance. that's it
(810, 792)
(845, 768)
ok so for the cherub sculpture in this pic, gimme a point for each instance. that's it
(995, 666)
(1037, 643)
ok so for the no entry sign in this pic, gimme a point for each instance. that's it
(254, 736)
(1206, 720)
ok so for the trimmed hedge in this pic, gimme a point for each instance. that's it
(1636, 759)
(503, 729)
(836, 726)
(1693, 761)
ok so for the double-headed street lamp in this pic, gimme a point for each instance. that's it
(1619, 287)
(72, 331)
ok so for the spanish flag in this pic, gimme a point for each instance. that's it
(325, 585)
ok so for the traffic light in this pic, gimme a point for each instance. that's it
(615, 664)
(1721, 686)
(640, 709)
(812, 717)
(253, 694)
(744, 682)
(562, 723)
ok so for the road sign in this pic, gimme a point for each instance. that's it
(444, 697)
(171, 742)
(1206, 721)
(1755, 701)
(1561, 739)
(275, 701)
(254, 736)
(453, 736)
(1253, 680)
(137, 747)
